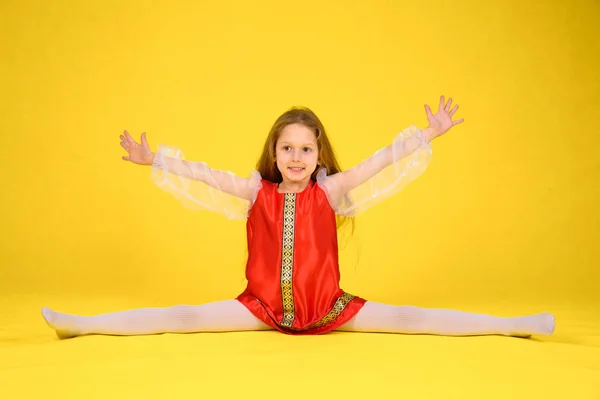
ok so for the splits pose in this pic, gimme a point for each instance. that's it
(294, 203)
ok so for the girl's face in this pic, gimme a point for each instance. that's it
(296, 153)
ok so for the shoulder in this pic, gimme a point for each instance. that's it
(327, 187)
(267, 184)
(267, 188)
(319, 195)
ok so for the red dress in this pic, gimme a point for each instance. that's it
(292, 270)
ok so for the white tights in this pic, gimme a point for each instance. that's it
(231, 315)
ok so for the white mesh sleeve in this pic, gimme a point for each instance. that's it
(200, 187)
(378, 177)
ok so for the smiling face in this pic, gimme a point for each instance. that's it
(296, 154)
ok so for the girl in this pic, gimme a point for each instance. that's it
(293, 204)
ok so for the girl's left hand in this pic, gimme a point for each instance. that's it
(441, 122)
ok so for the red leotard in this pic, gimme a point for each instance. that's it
(292, 270)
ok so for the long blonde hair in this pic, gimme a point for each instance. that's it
(266, 165)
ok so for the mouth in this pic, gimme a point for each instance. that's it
(295, 169)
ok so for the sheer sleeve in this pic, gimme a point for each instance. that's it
(200, 187)
(378, 177)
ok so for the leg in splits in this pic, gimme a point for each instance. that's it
(220, 316)
(377, 317)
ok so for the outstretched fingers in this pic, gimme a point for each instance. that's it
(448, 104)
(130, 140)
(127, 143)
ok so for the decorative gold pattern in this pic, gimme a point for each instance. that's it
(287, 266)
(287, 259)
(338, 307)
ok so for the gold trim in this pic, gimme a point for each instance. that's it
(287, 259)
(338, 307)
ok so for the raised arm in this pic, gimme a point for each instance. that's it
(389, 169)
(405, 144)
(380, 176)
(195, 184)
(170, 160)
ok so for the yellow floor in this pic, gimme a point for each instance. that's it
(34, 364)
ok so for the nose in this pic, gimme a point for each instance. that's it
(297, 155)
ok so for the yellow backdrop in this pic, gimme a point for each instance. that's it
(505, 217)
(507, 208)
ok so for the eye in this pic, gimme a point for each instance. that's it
(286, 148)
(307, 149)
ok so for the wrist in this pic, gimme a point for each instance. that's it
(151, 159)
(429, 133)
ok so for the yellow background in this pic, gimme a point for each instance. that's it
(505, 220)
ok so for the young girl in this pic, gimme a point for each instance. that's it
(294, 203)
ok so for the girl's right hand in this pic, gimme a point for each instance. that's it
(138, 153)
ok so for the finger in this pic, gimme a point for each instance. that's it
(144, 140)
(125, 158)
(125, 137)
(453, 110)
(428, 111)
(458, 121)
(442, 101)
(447, 108)
(129, 138)
(125, 146)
